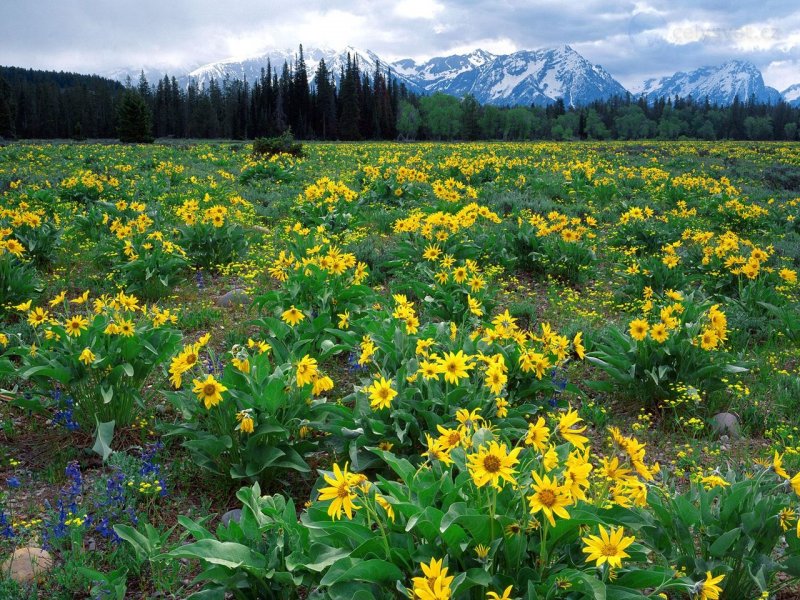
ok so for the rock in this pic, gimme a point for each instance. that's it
(726, 423)
(235, 297)
(234, 515)
(27, 564)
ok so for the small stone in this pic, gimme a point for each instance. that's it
(234, 515)
(235, 297)
(726, 423)
(27, 564)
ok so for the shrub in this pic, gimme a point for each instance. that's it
(282, 144)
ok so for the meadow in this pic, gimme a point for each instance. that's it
(384, 370)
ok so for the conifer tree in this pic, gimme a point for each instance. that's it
(134, 119)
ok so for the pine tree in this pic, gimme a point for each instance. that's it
(7, 129)
(134, 124)
(349, 113)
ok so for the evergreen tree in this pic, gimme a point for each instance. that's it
(470, 117)
(134, 119)
(349, 113)
(7, 129)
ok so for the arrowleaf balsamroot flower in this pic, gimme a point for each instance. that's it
(74, 325)
(454, 366)
(306, 370)
(492, 463)
(548, 497)
(209, 391)
(638, 329)
(708, 589)
(381, 393)
(340, 490)
(436, 584)
(87, 357)
(292, 316)
(567, 428)
(608, 547)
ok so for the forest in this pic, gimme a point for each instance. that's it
(361, 102)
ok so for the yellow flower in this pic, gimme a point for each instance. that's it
(492, 463)
(577, 343)
(58, 299)
(82, 299)
(572, 435)
(708, 589)
(246, 421)
(795, 481)
(506, 594)
(638, 329)
(126, 328)
(25, 306)
(777, 464)
(712, 481)
(38, 316)
(435, 585)
(437, 450)
(538, 435)
(14, 247)
(74, 325)
(381, 393)
(87, 357)
(454, 366)
(474, 306)
(209, 391)
(659, 333)
(481, 551)
(344, 319)
(292, 316)
(709, 339)
(495, 379)
(321, 385)
(340, 490)
(608, 547)
(384, 504)
(548, 497)
(306, 370)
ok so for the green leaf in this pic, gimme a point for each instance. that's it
(724, 542)
(103, 434)
(350, 569)
(226, 554)
(128, 368)
(653, 577)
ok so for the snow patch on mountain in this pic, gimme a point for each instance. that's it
(720, 84)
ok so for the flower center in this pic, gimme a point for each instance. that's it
(609, 550)
(547, 498)
(343, 490)
(209, 389)
(491, 463)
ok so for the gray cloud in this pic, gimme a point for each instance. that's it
(633, 39)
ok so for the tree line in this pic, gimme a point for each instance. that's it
(360, 102)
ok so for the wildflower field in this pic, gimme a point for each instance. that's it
(427, 371)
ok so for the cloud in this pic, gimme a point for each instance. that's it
(633, 39)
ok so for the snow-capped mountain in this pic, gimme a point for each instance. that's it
(721, 84)
(250, 67)
(792, 95)
(526, 77)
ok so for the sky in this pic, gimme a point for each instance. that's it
(633, 40)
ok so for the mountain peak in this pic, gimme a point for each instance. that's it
(720, 84)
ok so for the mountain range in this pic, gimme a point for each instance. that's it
(538, 77)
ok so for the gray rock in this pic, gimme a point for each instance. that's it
(27, 564)
(726, 423)
(234, 515)
(235, 297)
